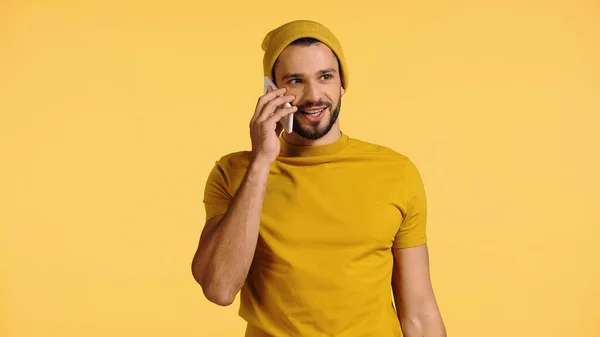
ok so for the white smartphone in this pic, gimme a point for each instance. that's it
(287, 121)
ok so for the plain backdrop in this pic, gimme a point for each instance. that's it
(113, 113)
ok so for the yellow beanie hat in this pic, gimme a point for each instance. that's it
(279, 38)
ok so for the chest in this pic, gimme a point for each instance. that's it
(324, 206)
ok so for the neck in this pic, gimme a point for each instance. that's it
(331, 137)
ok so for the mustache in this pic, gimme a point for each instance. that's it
(308, 105)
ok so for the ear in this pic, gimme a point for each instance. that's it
(342, 91)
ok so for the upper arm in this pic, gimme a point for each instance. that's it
(199, 258)
(216, 192)
(413, 206)
(411, 280)
(216, 201)
(416, 306)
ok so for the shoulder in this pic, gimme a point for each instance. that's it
(234, 161)
(399, 171)
(381, 152)
(229, 169)
(387, 161)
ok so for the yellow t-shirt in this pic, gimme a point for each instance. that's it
(330, 217)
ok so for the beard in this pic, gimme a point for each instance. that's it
(316, 131)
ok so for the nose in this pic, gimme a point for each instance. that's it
(311, 92)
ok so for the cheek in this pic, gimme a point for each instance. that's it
(298, 93)
(334, 97)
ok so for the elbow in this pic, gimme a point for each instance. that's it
(216, 291)
(428, 325)
(218, 295)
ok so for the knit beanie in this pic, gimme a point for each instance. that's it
(279, 38)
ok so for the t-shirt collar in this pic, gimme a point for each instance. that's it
(291, 150)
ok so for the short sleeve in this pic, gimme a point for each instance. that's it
(216, 195)
(412, 231)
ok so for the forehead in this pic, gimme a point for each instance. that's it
(310, 58)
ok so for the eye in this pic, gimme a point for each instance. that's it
(294, 81)
(327, 76)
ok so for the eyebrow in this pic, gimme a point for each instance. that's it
(320, 72)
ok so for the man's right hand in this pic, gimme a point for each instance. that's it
(265, 128)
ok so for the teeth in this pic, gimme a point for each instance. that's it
(315, 112)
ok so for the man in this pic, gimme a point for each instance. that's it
(320, 232)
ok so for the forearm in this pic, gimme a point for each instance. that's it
(229, 248)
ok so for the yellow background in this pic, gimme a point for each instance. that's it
(113, 114)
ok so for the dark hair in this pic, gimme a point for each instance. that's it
(303, 41)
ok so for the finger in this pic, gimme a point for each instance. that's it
(280, 113)
(270, 95)
(273, 106)
(264, 99)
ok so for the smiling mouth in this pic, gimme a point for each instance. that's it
(312, 112)
(314, 115)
